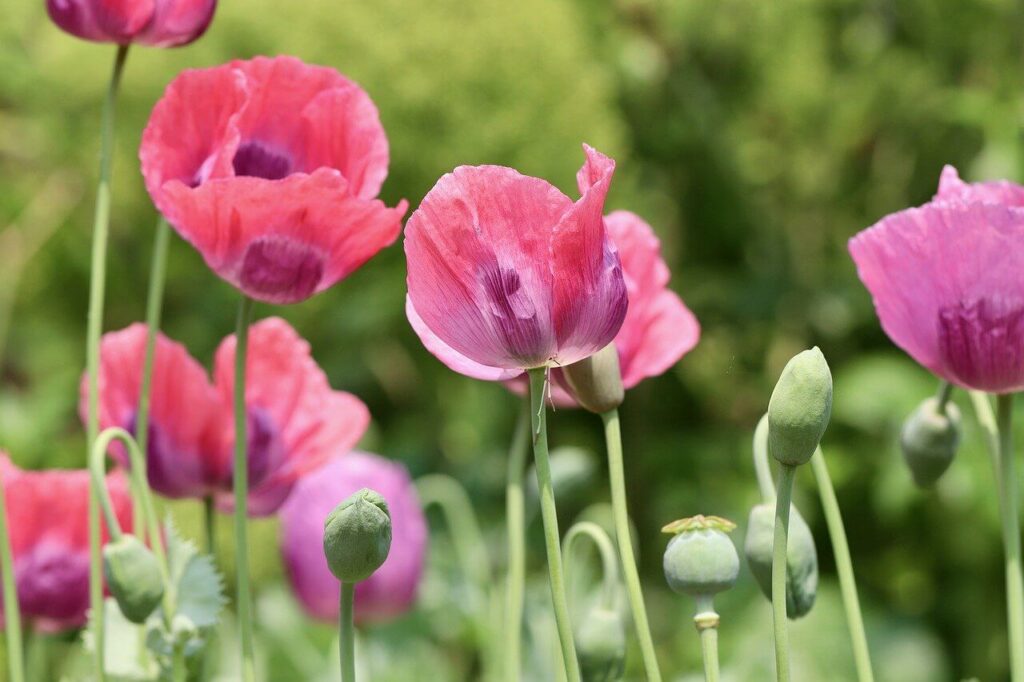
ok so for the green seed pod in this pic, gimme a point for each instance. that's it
(133, 576)
(596, 381)
(800, 407)
(701, 560)
(601, 646)
(357, 536)
(801, 558)
(929, 440)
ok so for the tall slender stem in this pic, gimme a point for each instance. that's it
(762, 468)
(943, 395)
(241, 484)
(999, 438)
(515, 519)
(1011, 536)
(210, 526)
(844, 566)
(346, 631)
(706, 619)
(154, 303)
(787, 474)
(620, 511)
(549, 515)
(12, 611)
(97, 282)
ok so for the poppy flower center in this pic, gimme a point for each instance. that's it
(256, 160)
(514, 313)
(53, 581)
(981, 341)
(280, 269)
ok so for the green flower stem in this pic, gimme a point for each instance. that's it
(706, 620)
(467, 539)
(844, 566)
(154, 303)
(210, 526)
(346, 630)
(515, 519)
(549, 514)
(605, 547)
(762, 467)
(999, 438)
(97, 283)
(241, 484)
(616, 474)
(12, 613)
(944, 394)
(787, 474)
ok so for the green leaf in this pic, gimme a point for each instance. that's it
(198, 586)
(125, 656)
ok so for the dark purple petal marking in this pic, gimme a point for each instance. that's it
(254, 159)
(281, 270)
(514, 314)
(53, 582)
(982, 341)
(266, 451)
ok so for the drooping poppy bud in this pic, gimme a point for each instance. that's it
(601, 645)
(357, 536)
(596, 381)
(133, 575)
(800, 408)
(701, 560)
(929, 440)
(801, 558)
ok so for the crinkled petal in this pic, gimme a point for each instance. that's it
(952, 188)
(945, 279)
(478, 252)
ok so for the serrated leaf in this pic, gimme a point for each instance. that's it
(125, 658)
(199, 588)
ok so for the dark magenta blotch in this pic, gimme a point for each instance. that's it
(266, 451)
(514, 313)
(53, 582)
(979, 341)
(280, 270)
(256, 160)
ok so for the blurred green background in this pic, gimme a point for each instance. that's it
(756, 137)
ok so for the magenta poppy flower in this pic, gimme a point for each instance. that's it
(48, 516)
(506, 273)
(945, 279)
(390, 591)
(658, 330)
(270, 168)
(296, 421)
(186, 456)
(157, 23)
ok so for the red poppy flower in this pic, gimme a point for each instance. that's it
(158, 23)
(47, 514)
(270, 168)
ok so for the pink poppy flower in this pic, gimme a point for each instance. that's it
(186, 456)
(506, 273)
(658, 330)
(49, 530)
(296, 421)
(390, 591)
(270, 168)
(157, 23)
(945, 279)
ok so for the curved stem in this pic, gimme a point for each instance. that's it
(445, 492)
(762, 467)
(97, 282)
(999, 438)
(780, 544)
(706, 620)
(605, 547)
(617, 478)
(241, 485)
(346, 631)
(549, 514)
(515, 519)
(844, 566)
(154, 302)
(943, 395)
(12, 609)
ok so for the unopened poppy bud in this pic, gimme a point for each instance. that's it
(801, 558)
(596, 381)
(357, 536)
(800, 407)
(133, 575)
(701, 560)
(601, 645)
(929, 440)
